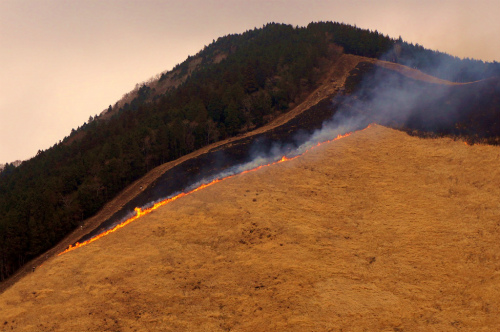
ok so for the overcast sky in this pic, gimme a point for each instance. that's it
(62, 60)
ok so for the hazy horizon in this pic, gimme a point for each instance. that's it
(65, 61)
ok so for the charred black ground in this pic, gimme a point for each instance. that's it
(470, 112)
(217, 160)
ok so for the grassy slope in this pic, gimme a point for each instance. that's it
(377, 231)
(332, 82)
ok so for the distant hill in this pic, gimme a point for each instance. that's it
(230, 90)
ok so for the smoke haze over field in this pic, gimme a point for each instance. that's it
(383, 96)
(65, 61)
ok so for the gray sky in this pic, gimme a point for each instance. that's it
(64, 60)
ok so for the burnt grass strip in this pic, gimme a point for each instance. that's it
(470, 112)
(207, 165)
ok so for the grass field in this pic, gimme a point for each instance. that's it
(378, 231)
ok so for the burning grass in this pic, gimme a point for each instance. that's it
(140, 212)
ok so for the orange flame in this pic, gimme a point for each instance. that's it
(142, 212)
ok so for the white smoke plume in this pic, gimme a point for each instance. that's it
(383, 96)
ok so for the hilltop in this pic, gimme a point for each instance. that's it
(376, 231)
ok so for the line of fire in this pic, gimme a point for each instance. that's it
(140, 212)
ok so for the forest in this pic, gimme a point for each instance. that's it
(265, 72)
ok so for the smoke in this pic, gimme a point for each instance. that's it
(375, 95)
(383, 96)
(389, 98)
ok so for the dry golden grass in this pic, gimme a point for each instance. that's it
(378, 231)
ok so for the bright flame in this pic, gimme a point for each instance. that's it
(142, 212)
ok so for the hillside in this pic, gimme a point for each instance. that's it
(270, 86)
(377, 231)
(174, 176)
(334, 80)
(266, 73)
